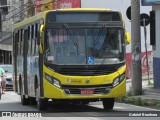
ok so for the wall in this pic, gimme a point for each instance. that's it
(156, 50)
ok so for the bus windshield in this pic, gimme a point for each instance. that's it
(71, 46)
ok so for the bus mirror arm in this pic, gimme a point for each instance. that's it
(40, 34)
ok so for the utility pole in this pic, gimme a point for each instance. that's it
(136, 87)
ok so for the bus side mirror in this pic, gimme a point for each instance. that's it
(128, 38)
(39, 34)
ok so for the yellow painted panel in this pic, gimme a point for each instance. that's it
(50, 91)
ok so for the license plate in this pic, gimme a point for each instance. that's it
(87, 91)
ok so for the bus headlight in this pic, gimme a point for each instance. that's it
(118, 80)
(56, 82)
(53, 81)
(49, 78)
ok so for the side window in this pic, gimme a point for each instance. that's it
(25, 38)
(37, 29)
(18, 46)
(29, 40)
(32, 33)
(21, 42)
(15, 43)
(33, 39)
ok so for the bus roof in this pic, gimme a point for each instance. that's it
(84, 9)
(30, 20)
(43, 14)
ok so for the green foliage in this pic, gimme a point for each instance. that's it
(129, 93)
(149, 83)
(137, 101)
(144, 102)
(129, 100)
(120, 99)
(158, 104)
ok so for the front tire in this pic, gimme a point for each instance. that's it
(108, 103)
(42, 104)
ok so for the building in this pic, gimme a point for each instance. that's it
(155, 36)
(16, 11)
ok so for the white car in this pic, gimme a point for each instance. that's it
(8, 75)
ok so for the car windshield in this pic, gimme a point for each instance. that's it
(85, 45)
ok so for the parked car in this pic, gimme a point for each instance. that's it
(8, 75)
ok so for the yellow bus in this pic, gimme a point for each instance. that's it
(72, 55)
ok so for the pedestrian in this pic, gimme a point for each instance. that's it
(3, 81)
(1, 71)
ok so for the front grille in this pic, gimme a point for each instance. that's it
(97, 90)
(86, 72)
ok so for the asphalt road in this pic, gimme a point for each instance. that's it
(11, 102)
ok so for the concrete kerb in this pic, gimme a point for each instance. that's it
(149, 98)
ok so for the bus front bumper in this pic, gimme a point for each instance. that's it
(53, 92)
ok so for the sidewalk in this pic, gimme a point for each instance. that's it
(150, 96)
(149, 91)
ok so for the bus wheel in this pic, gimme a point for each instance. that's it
(33, 101)
(108, 103)
(24, 101)
(42, 103)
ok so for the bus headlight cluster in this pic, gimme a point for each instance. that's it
(53, 81)
(118, 80)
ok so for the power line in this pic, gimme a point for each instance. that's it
(16, 14)
(27, 7)
(8, 26)
(32, 5)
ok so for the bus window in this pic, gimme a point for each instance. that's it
(33, 40)
(21, 43)
(25, 38)
(36, 38)
(29, 40)
(16, 45)
(32, 32)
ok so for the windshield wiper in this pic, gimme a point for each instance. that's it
(99, 34)
(66, 27)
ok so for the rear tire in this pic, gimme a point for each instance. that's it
(33, 101)
(24, 101)
(108, 103)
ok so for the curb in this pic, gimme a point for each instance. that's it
(138, 101)
(143, 79)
